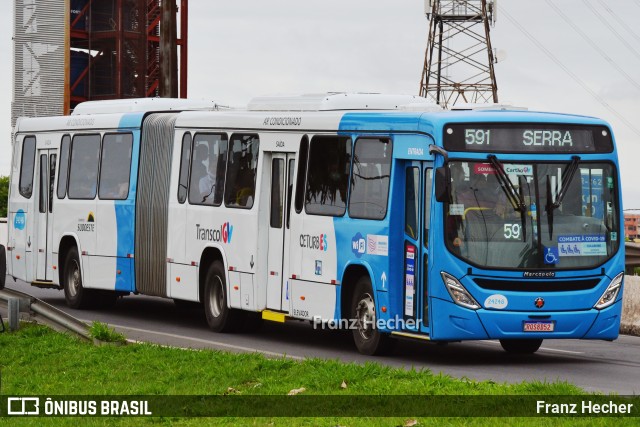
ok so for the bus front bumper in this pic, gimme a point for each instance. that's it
(465, 324)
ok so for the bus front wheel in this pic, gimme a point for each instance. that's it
(74, 293)
(366, 335)
(220, 317)
(526, 346)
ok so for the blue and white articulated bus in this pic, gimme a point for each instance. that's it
(378, 213)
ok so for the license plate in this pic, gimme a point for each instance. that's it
(540, 326)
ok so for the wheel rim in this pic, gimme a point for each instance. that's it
(216, 297)
(366, 316)
(74, 280)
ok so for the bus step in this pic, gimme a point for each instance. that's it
(46, 284)
(274, 316)
(411, 336)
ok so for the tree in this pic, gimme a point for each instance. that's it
(4, 195)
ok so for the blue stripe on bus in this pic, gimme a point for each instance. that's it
(126, 211)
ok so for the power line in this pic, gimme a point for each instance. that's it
(593, 44)
(618, 20)
(570, 73)
(611, 28)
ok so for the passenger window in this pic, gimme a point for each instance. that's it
(52, 178)
(116, 166)
(302, 173)
(27, 166)
(277, 192)
(208, 166)
(328, 176)
(184, 168)
(411, 207)
(241, 171)
(64, 167)
(370, 181)
(83, 171)
(44, 190)
(428, 180)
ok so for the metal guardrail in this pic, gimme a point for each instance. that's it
(43, 313)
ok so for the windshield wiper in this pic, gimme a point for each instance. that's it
(515, 198)
(567, 178)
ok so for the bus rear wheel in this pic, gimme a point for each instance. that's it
(367, 338)
(74, 293)
(220, 317)
(526, 346)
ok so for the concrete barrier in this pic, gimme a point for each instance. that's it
(631, 306)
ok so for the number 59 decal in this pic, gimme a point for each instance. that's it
(512, 231)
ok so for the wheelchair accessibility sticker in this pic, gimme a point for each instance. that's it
(551, 256)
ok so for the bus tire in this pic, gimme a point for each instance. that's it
(220, 317)
(3, 266)
(526, 346)
(367, 338)
(75, 294)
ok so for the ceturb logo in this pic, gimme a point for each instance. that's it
(223, 234)
(314, 242)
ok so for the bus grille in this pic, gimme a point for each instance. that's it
(537, 285)
(152, 203)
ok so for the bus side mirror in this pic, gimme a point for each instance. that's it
(442, 184)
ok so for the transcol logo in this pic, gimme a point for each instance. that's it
(223, 234)
(227, 232)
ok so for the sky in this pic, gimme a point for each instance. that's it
(570, 56)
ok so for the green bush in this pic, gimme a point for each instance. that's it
(4, 195)
(102, 332)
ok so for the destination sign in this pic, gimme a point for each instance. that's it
(524, 138)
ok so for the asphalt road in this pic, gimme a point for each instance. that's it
(592, 365)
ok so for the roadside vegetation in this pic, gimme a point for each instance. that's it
(37, 361)
(4, 195)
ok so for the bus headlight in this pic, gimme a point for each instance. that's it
(458, 292)
(611, 293)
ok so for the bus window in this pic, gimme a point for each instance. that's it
(328, 176)
(302, 173)
(241, 171)
(52, 178)
(83, 171)
(370, 183)
(428, 179)
(43, 183)
(184, 168)
(277, 192)
(292, 168)
(27, 165)
(64, 167)
(208, 168)
(116, 166)
(411, 212)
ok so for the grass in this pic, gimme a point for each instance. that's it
(38, 361)
(102, 332)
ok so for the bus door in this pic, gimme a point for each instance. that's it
(42, 236)
(282, 173)
(418, 184)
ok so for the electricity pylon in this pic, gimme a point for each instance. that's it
(458, 63)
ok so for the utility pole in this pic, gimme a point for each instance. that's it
(458, 63)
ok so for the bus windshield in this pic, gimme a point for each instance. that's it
(559, 215)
